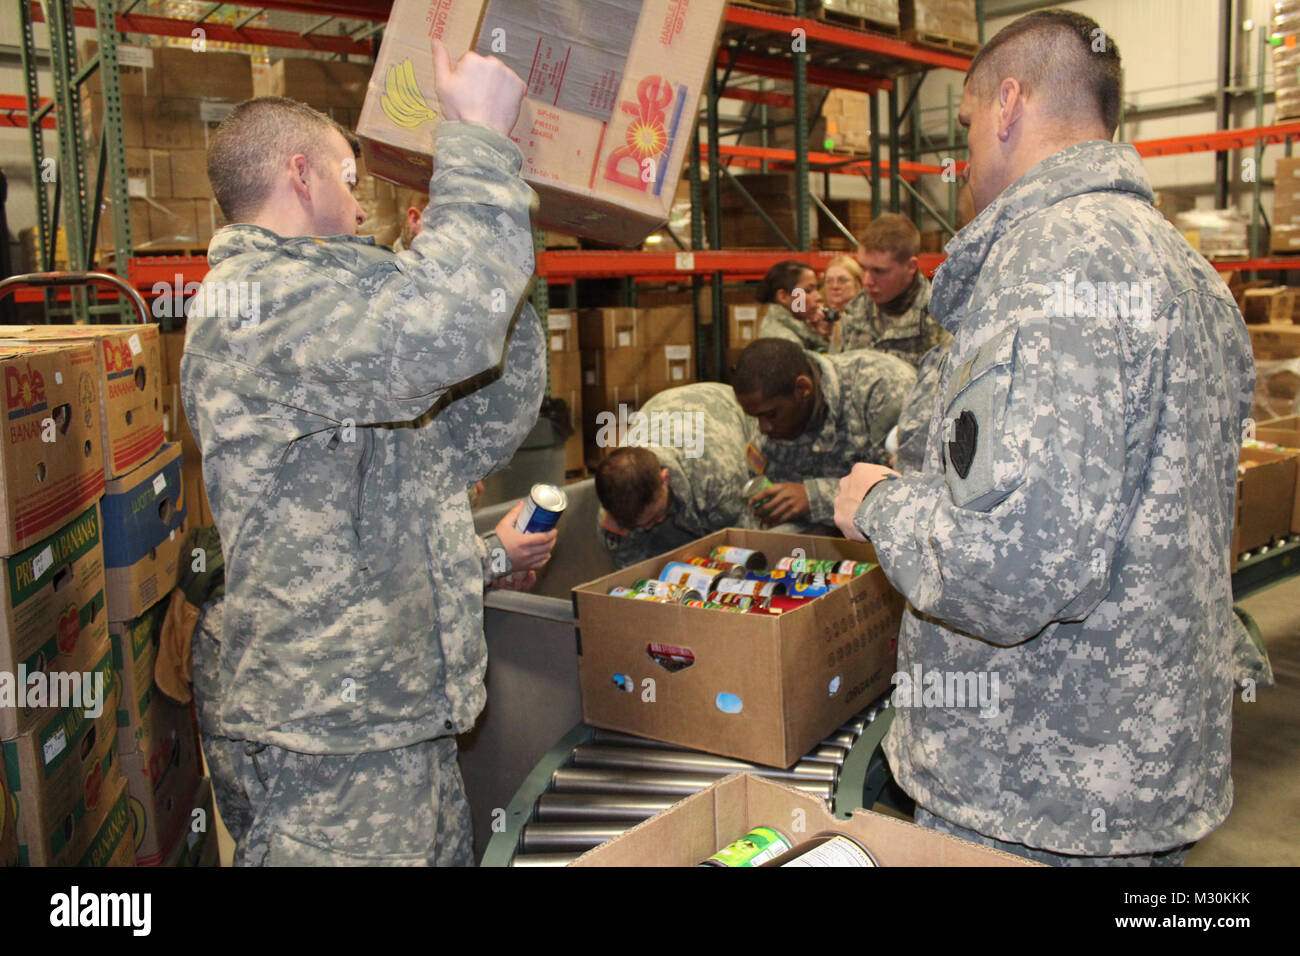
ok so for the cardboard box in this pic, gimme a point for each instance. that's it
(8, 823)
(211, 75)
(1261, 306)
(662, 366)
(49, 394)
(695, 828)
(1280, 431)
(196, 844)
(797, 675)
(148, 173)
(129, 384)
(566, 372)
(161, 782)
(607, 122)
(1266, 493)
(144, 715)
(742, 324)
(189, 174)
(621, 328)
(951, 19)
(53, 617)
(64, 774)
(1285, 239)
(336, 88)
(111, 845)
(144, 531)
(562, 327)
(172, 223)
(1275, 340)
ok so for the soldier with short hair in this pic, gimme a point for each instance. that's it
(338, 441)
(816, 415)
(794, 307)
(1070, 530)
(680, 475)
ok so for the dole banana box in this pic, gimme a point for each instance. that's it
(51, 464)
(145, 516)
(161, 780)
(129, 382)
(53, 616)
(111, 844)
(612, 95)
(196, 845)
(65, 773)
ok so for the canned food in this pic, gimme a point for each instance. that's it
(703, 580)
(826, 849)
(753, 849)
(754, 486)
(807, 589)
(726, 567)
(787, 603)
(542, 509)
(751, 559)
(752, 588)
(673, 593)
(739, 601)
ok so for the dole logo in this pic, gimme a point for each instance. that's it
(24, 390)
(117, 358)
(649, 135)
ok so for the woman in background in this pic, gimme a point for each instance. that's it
(794, 306)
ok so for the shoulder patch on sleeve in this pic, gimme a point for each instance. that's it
(756, 460)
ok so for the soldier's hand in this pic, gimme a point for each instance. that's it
(477, 89)
(526, 551)
(780, 503)
(853, 488)
(515, 581)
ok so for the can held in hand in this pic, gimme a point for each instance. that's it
(542, 509)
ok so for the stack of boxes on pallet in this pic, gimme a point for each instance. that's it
(1286, 207)
(566, 383)
(946, 23)
(878, 14)
(629, 355)
(95, 522)
(1286, 58)
(172, 100)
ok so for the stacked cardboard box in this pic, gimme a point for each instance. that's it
(8, 823)
(1286, 58)
(938, 20)
(1266, 498)
(742, 226)
(1286, 206)
(848, 128)
(566, 380)
(853, 214)
(629, 355)
(882, 14)
(177, 427)
(172, 100)
(1261, 306)
(197, 843)
(1215, 233)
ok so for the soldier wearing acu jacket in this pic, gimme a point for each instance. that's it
(680, 478)
(350, 648)
(1070, 529)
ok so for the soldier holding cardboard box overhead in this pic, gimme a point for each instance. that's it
(351, 645)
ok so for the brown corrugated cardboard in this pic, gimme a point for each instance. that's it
(52, 614)
(111, 845)
(949, 19)
(664, 366)
(611, 102)
(1275, 340)
(130, 393)
(144, 716)
(797, 675)
(196, 844)
(145, 526)
(51, 463)
(327, 85)
(636, 328)
(8, 823)
(1266, 492)
(694, 829)
(209, 74)
(562, 327)
(61, 772)
(148, 173)
(742, 324)
(566, 372)
(161, 782)
(189, 174)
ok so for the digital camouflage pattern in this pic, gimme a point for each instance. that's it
(1083, 557)
(918, 409)
(861, 395)
(354, 579)
(704, 491)
(909, 335)
(780, 323)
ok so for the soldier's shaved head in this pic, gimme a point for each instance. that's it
(770, 368)
(627, 482)
(254, 143)
(1063, 57)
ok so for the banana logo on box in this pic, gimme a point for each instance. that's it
(402, 101)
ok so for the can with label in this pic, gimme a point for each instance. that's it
(807, 589)
(826, 849)
(753, 849)
(751, 559)
(703, 580)
(853, 568)
(726, 567)
(542, 509)
(740, 602)
(754, 486)
(672, 593)
(763, 589)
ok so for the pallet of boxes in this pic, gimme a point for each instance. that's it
(116, 782)
(172, 101)
(627, 356)
(565, 357)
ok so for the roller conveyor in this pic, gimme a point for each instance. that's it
(596, 784)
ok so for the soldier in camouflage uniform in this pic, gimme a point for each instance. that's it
(817, 414)
(794, 307)
(1069, 533)
(892, 312)
(350, 648)
(918, 409)
(686, 479)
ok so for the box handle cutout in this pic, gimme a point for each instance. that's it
(623, 682)
(834, 687)
(729, 703)
(670, 657)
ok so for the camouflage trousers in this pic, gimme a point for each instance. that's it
(1174, 857)
(403, 807)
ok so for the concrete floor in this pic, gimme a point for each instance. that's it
(1261, 830)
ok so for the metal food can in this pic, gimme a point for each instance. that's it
(728, 568)
(809, 589)
(751, 559)
(542, 509)
(673, 593)
(737, 601)
(621, 591)
(757, 589)
(828, 849)
(754, 486)
(853, 568)
(753, 849)
(703, 580)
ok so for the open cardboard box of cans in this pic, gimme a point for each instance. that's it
(759, 687)
(693, 830)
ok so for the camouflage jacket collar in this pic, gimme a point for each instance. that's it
(825, 417)
(1094, 166)
(246, 237)
(783, 316)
